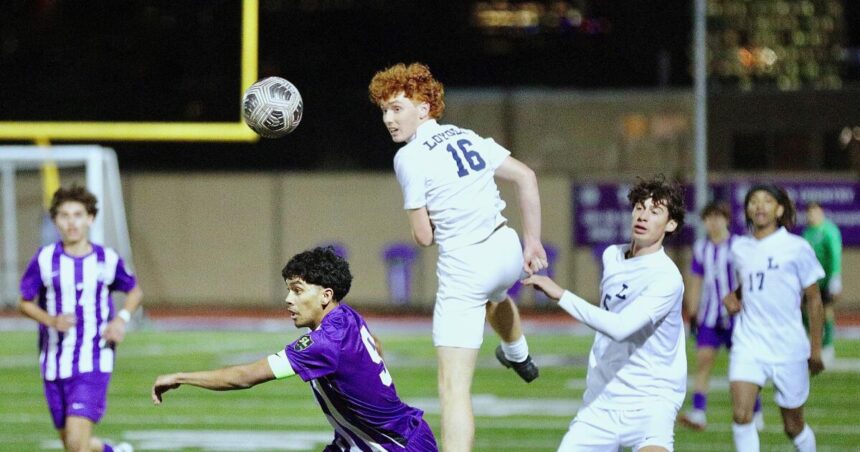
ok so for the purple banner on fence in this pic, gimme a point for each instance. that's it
(602, 212)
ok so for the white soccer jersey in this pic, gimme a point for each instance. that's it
(630, 371)
(450, 171)
(773, 272)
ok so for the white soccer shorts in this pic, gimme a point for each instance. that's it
(468, 278)
(791, 380)
(598, 430)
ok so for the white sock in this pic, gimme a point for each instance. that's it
(746, 437)
(516, 351)
(805, 441)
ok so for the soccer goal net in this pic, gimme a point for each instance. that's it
(25, 193)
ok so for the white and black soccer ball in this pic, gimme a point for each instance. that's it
(272, 107)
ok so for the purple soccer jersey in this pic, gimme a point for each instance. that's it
(354, 389)
(712, 263)
(79, 285)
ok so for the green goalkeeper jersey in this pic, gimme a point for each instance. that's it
(826, 240)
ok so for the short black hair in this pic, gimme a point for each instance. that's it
(321, 266)
(661, 192)
(717, 208)
(787, 219)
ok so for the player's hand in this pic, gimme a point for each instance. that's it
(545, 285)
(115, 331)
(63, 322)
(534, 257)
(163, 384)
(816, 365)
(732, 303)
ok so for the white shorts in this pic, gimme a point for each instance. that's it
(468, 278)
(598, 430)
(790, 380)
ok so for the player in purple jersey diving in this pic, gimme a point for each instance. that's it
(66, 288)
(338, 357)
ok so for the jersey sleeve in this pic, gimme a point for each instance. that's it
(661, 296)
(808, 269)
(651, 306)
(31, 281)
(696, 265)
(124, 279)
(493, 153)
(411, 180)
(313, 355)
(280, 365)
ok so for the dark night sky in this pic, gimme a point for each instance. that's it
(178, 61)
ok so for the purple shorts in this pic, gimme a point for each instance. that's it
(84, 395)
(422, 439)
(713, 337)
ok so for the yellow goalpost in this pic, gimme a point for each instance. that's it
(155, 131)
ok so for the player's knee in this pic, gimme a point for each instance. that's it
(742, 416)
(76, 443)
(792, 428)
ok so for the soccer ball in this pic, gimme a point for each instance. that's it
(272, 107)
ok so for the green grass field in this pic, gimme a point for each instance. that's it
(283, 415)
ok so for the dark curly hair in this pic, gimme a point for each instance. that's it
(664, 193)
(74, 193)
(322, 267)
(781, 196)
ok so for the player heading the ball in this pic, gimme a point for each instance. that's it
(450, 196)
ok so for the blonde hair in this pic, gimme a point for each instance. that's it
(414, 81)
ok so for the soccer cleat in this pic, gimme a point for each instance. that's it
(526, 369)
(758, 420)
(694, 420)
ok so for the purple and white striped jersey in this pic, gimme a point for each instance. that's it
(352, 385)
(712, 262)
(64, 284)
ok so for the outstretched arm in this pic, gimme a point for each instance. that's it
(224, 379)
(617, 325)
(528, 196)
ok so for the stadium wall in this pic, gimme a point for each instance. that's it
(220, 239)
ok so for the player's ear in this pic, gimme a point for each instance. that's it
(328, 296)
(671, 226)
(423, 110)
(780, 210)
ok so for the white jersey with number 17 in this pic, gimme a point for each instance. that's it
(450, 171)
(773, 272)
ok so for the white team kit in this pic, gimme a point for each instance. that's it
(769, 341)
(637, 368)
(449, 171)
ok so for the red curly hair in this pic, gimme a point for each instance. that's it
(414, 81)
